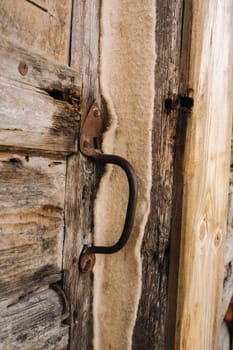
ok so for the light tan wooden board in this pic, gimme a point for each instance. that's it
(31, 223)
(34, 323)
(42, 26)
(29, 117)
(206, 177)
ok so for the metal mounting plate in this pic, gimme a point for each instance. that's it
(91, 132)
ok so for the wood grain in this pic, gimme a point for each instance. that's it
(34, 323)
(39, 118)
(32, 191)
(82, 179)
(39, 110)
(42, 73)
(149, 332)
(178, 184)
(42, 27)
(206, 177)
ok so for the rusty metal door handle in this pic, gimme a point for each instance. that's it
(90, 145)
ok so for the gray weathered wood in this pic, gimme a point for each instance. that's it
(149, 332)
(32, 193)
(38, 110)
(34, 323)
(41, 73)
(224, 338)
(81, 179)
(177, 206)
(39, 115)
(228, 273)
(228, 262)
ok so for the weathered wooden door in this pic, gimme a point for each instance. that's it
(42, 176)
(49, 57)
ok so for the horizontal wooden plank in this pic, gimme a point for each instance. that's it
(41, 72)
(40, 25)
(34, 323)
(31, 223)
(39, 107)
(30, 120)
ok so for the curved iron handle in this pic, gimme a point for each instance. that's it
(90, 146)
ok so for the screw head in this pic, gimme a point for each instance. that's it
(86, 262)
(96, 113)
(23, 68)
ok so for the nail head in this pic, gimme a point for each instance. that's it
(23, 68)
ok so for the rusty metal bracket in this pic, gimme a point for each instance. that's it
(90, 145)
(61, 293)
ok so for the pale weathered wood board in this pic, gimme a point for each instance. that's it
(31, 223)
(206, 176)
(30, 118)
(41, 26)
(42, 73)
(34, 323)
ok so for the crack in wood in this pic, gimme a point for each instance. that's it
(37, 5)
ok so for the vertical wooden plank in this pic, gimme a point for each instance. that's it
(149, 332)
(206, 172)
(81, 178)
(178, 184)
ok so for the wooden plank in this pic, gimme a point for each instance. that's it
(38, 110)
(32, 193)
(31, 120)
(41, 26)
(34, 323)
(82, 179)
(206, 176)
(178, 181)
(41, 72)
(149, 332)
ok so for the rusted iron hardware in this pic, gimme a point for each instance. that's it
(90, 146)
(66, 309)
